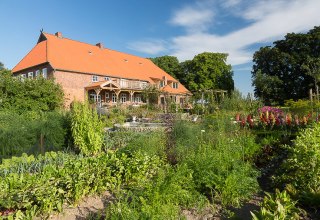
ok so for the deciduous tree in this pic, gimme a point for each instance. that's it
(169, 64)
(209, 71)
(283, 68)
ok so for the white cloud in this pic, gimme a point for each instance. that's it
(230, 3)
(194, 18)
(270, 20)
(148, 46)
(274, 21)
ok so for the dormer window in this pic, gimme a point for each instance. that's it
(175, 85)
(95, 78)
(161, 84)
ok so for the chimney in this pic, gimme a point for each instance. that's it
(100, 45)
(58, 34)
(165, 80)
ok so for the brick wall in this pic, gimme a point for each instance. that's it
(73, 85)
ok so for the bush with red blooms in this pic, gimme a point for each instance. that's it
(274, 118)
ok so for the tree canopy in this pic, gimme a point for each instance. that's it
(1, 66)
(169, 64)
(285, 71)
(206, 71)
(29, 94)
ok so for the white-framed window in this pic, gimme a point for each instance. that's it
(23, 76)
(95, 78)
(124, 83)
(107, 96)
(123, 98)
(30, 75)
(161, 84)
(137, 98)
(95, 98)
(107, 78)
(45, 73)
(175, 85)
(37, 73)
(114, 98)
(144, 85)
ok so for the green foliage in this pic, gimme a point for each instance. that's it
(29, 94)
(277, 207)
(302, 167)
(87, 128)
(56, 183)
(151, 143)
(160, 198)
(114, 116)
(169, 64)
(312, 67)
(283, 72)
(31, 164)
(218, 157)
(31, 132)
(238, 103)
(269, 87)
(150, 95)
(301, 107)
(204, 71)
(209, 71)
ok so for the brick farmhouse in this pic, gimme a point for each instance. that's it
(106, 76)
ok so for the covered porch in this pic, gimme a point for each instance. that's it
(110, 93)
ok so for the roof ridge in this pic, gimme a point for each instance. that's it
(105, 48)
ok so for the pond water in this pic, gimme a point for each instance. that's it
(139, 126)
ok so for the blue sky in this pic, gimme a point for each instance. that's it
(151, 28)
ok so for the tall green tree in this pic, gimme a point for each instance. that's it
(208, 71)
(312, 67)
(169, 64)
(279, 73)
(1, 66)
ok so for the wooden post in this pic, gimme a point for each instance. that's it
(131, 96)
(117, 94)
(202, 99)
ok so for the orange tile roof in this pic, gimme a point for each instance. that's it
(180, 90)
(66, 54)
(37, 56)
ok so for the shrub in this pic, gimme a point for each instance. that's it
(278, 206)
(237, 102)
(218, 155)
(302, 107)
(31, 132)
(57, 181)
(87, 129)
(302, 167)
(162, 197)
(30, 94)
